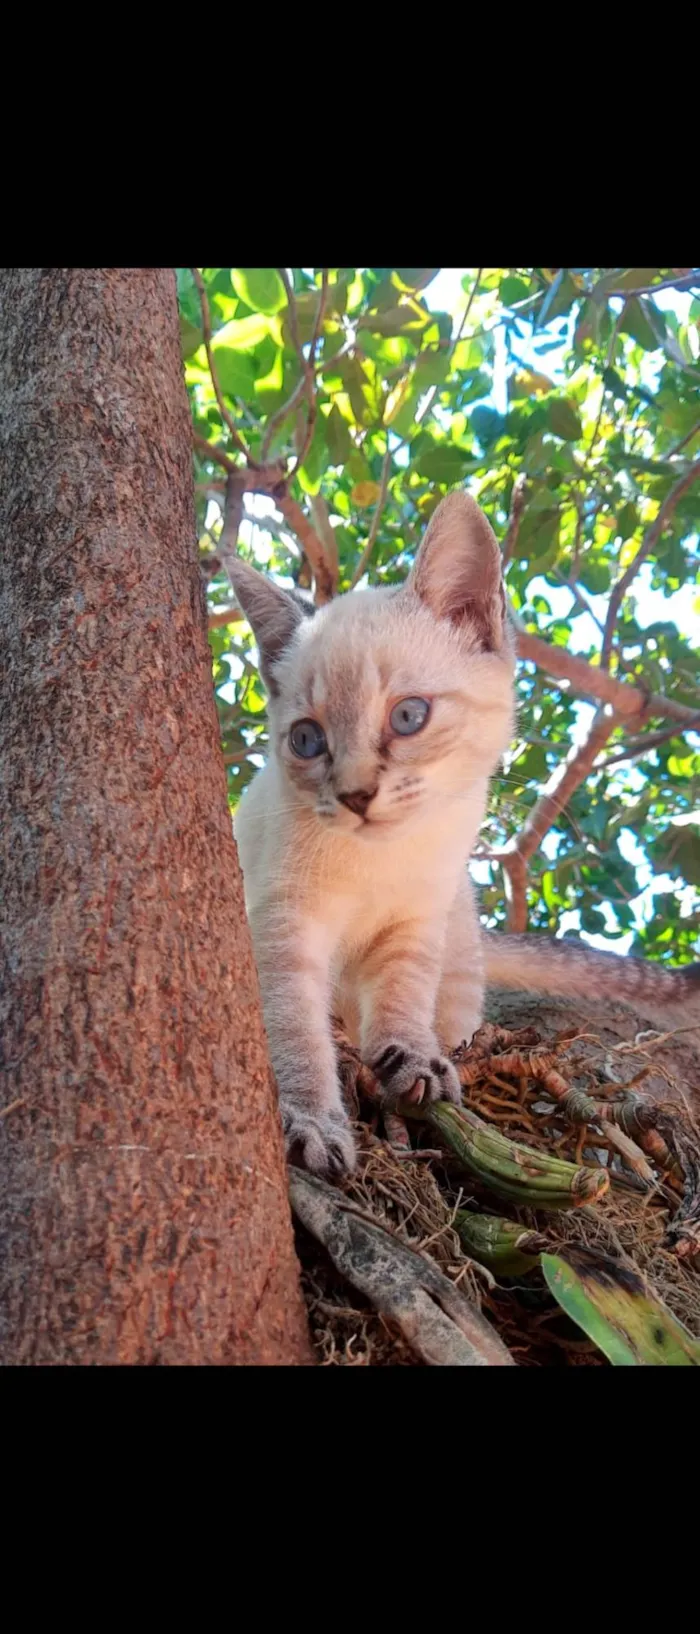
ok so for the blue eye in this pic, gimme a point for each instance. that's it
(307, 740)
(408, 716)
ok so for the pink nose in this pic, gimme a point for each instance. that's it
(358, 800)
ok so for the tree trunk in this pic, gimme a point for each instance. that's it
(144, 1214)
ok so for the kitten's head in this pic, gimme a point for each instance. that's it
(388, 701)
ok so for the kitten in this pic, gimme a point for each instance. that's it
(389, 710)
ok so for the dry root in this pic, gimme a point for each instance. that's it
(556, 1097)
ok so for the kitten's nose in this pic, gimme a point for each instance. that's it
(358, 800)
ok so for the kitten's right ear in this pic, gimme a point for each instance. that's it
(457, 571)
(273, 614)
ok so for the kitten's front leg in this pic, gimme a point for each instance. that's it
(460, 1000)
(293, 961)
(398, 983)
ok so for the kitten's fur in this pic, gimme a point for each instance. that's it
(373, 918)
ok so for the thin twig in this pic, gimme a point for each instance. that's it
(271, 480)
(651, 740)
(626, 699)
(428, 408)
(225, 615)
(651, 536)
(517, 505)
(562, 784)
(307, 384)
(281, 415)
(238, 441)
(311, 545)
(311, 377)
(687, 282)
(579, 596)
(211, 451)
(374, 529)
(227, 543)
(683, 442)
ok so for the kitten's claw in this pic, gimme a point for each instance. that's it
(417, 1078)
(323, 1144)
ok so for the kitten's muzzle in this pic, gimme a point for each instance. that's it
(358, 800)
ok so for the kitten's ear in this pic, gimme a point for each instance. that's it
(457, 571)
(273, 614)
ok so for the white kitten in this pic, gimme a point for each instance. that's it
(389, 710)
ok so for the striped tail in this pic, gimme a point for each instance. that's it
(540, 964)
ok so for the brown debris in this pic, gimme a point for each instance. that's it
(556, 1096)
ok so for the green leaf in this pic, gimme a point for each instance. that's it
(243, 334)
(260, 287)
(594, 575)
(340, 444)
(611, 1303)
(538, 535)
(442, 463)
(487, 424)
(417, 277)
(432, 367)
(358, 466)
(190, 337)
(627, 520)
(532, 764)
(396, 320)
(512, 290)
(636, 323)
(234, 369)
(317, 459)
(479, 386)
(564, 419)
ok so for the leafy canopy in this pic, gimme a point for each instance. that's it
(585, 382)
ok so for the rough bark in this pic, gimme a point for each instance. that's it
(144, 1214)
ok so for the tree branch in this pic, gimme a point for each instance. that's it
(307, 384)
(692, 277)
(626, 699)
(211, 451)
(319, 512)
(225, 615)
(677, 448)
(651, 536)
(515, 856)
(238, 441)
(579, 596)
(652, 740)
(379, 507)
(310, 543)
(517, 505)
(271, 480)
(435, 389)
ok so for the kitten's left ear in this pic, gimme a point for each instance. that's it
(457, 571)
(274, 614)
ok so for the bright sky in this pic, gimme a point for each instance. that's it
(445, 294)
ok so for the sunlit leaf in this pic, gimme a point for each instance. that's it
(260, 287)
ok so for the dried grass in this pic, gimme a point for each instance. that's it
(535, 1094)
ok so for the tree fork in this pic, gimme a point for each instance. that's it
(144, 1214)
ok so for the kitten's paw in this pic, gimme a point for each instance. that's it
(409, 1075)
(322, 1143)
